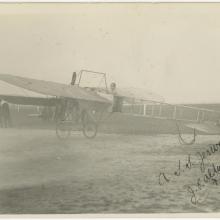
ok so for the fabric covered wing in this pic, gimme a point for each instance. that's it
(52, 88)
(208, 127)
(139, 94)
(23, 100)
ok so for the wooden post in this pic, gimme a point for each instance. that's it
(198, 114)
(144, 113)
(160, 111)
(203, 116)
(174, 112)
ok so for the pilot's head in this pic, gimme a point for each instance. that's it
(113, 86)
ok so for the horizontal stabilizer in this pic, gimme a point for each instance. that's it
(206, 127)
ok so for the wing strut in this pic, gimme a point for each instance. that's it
(181, 139)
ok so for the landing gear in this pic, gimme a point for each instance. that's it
(89, 127)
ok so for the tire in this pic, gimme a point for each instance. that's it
(90, 129)
(63, 130)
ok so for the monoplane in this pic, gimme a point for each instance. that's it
(88, 106)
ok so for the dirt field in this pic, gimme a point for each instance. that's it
(110, 174)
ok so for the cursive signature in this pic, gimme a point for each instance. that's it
(209, 173)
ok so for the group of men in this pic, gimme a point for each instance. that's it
(5, 116)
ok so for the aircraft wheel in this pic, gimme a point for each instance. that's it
(62, 130)
(90, 129)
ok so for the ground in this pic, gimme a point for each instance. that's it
(110, 174)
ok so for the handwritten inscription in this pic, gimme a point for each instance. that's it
(209, 172)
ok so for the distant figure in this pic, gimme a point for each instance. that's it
(5, 115)
(60, 111)
(57, 112)
(46, 113)
(73, 79)
(73, 110)
(1, 125)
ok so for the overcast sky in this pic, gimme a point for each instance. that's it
(171, 49)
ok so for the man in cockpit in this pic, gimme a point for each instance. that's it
(117, 100)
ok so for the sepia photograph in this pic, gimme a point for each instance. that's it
(109, 108)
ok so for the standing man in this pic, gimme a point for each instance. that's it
(1, 121)
(5, 113)
(60, 111)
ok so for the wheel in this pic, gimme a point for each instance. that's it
(90, 129)
(63, 130)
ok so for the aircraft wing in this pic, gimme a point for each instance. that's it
(52, 88)
(27, 100)
(206, 127)
(139, 94)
